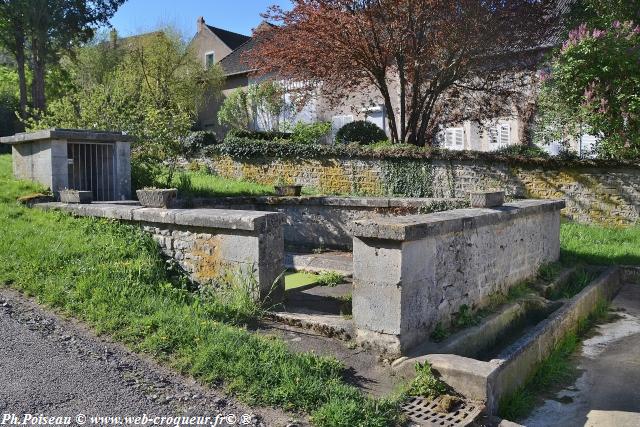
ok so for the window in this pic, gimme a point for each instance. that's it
(209, 59)
(500, 135)
(454, 138)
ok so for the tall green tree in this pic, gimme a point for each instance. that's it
(13, 28)
(46, 30)
(153, 92)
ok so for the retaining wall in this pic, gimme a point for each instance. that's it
(606, 195)
(208, 244)
(413, 272)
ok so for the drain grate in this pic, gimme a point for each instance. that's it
(425, 413)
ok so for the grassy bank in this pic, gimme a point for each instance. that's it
(113, 277)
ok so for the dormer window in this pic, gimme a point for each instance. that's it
(209, 59)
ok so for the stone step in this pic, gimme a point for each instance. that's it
(341, 262)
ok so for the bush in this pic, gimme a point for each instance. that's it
(196, 141)
(524, 150)
(360, 131)
(243, 148)
(309, 133)
(260, 135)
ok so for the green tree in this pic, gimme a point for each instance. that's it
(262, 106)
(593, 87)
(235, 112)
(602, 13)
(153, 94)
(49, 29)
(13, 28)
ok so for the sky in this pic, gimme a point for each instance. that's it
(240, 16)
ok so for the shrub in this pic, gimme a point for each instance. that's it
(309, 133)
(196, 141)
(524, 150)
(260, 135)
(360, 131)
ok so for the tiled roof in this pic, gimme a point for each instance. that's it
(235, 62)
(231, 39)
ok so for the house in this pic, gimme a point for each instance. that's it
(228, 49)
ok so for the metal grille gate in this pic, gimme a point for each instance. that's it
(91, 168)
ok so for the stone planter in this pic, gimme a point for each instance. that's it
(288, 190)
(157, 198)
(76, 196)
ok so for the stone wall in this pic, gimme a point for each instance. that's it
(325, 222)
(207, 244)
(414, 272)
(604, 195)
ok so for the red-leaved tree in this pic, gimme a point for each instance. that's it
(429, 61)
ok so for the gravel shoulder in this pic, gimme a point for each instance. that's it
(55, 366)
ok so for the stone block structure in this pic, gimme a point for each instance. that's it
(413, 272)
(60, 159)
(606, 194)
(325, 222)
(206, 243)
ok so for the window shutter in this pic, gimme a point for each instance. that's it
(505, 134)
(494, 133)
(459, 137)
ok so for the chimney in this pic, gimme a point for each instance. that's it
(201, 23)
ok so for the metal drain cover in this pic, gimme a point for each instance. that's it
(424, 412)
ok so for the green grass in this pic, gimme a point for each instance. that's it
(299, 280)
(208, 185)
(113, 277)
(330, 278)
(203, 184)
(599, 245)
(557, 369)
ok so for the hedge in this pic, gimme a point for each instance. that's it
(245, 148)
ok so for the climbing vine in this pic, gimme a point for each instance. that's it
(408, 178)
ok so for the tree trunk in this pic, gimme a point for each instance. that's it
(38, 84)
(19, 53)
(22, 80)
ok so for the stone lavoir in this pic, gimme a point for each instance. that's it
(410, 271)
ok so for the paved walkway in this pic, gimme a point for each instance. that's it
(607, 393)
(57, 367)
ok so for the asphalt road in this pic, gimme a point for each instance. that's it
(59, 368)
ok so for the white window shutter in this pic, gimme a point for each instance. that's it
(454, 138)
(505, 134)
(494, 133)
(459, 137)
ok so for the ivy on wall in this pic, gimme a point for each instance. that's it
(408, 178)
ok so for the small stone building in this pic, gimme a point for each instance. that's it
(60, 159)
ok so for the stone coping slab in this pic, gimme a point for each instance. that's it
(416, 227)
(207, 218)
(68, 134)
(355, 202)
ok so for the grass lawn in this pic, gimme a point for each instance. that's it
(599, 245)
(112, 276)
(207, 185)
(299, 280)
(204, 184)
